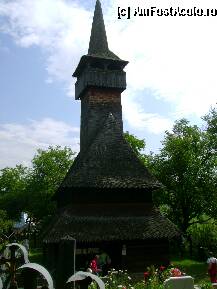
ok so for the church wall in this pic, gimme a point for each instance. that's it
(134, 256)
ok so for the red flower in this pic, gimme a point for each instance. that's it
(146, 275)
(162, 268)
(175, 272)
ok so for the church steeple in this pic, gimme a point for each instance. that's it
(98, 44)
(100, 67)
(100, 81)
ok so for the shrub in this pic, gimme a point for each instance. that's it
(153, 279)
(206, 285)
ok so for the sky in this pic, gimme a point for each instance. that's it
(171, 72)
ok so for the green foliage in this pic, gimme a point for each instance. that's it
(5, 222)
(30, 189)
(118, 279)
(187, 167)
(204, 234)
(192, 268)
(36, 256)
(154, 278)
(122, 280)
(210, 157)
(187, 178)
(211, 120)
(49, 167)
(12, 190)
(206, 285)
(138, 145)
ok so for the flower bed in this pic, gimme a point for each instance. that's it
(153, 278)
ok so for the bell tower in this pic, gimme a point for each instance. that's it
(105, 199)
(100, 81)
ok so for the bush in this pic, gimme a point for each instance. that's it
(204, 236)
(153, 279)
(206, 285)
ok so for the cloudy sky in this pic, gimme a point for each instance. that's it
(171, 72)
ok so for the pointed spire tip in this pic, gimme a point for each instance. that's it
(98, 40)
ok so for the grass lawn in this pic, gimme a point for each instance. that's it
(36, 256)
(196, 269)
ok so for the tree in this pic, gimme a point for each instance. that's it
(204, 236)
(12, 190)
(187, 178)
(5, 222)
(211, 120)
(30, 190)
(138, 145)
(211, 140)
(49, 168)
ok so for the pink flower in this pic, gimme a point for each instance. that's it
(175, 272)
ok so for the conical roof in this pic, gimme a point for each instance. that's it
(98, 32)
(98, 45)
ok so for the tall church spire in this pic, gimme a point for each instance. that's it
(98, 41)
(98, 45)
(100, 68)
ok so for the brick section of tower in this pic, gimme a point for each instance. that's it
(96, 104)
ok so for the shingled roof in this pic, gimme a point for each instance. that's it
(110, 223)
(98, 45)
(109, 162)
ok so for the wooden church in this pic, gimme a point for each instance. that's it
(105, 200)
